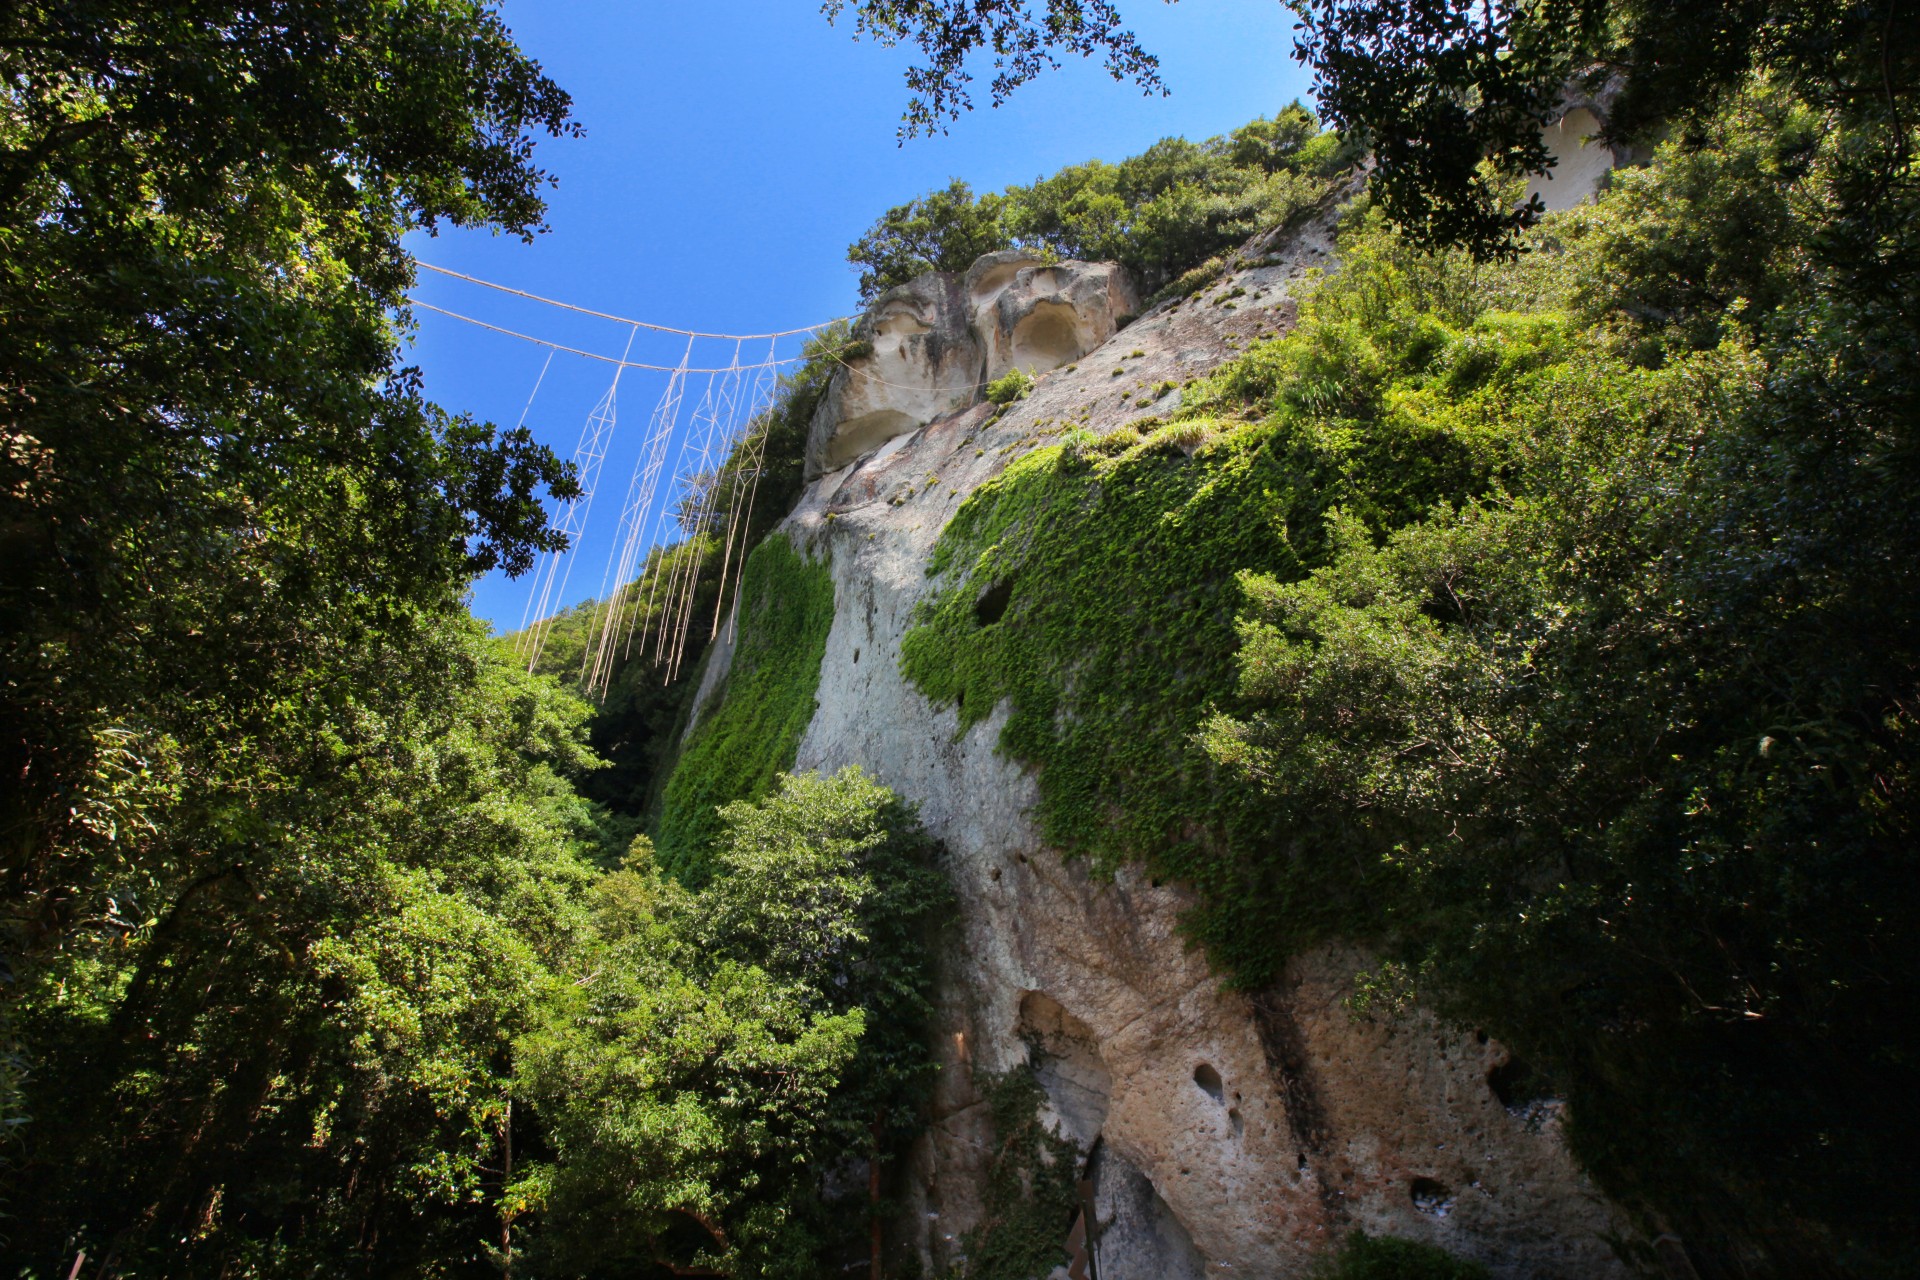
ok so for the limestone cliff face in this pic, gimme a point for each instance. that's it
(933, 344)
(1223, 1133)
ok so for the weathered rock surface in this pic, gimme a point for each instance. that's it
(922, 362)
(1226, 1134)
(1582, 158)
(1035, 315)
(934, 344)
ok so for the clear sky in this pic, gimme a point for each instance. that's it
(733, 149)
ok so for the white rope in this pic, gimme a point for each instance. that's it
(588, 456)
(685, 568)
(622, 362)
(725, 410)
(602, 315)
(525, 614)
(597, 659)
(757, 406)
(657, 457)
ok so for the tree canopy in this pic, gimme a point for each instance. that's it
(215, 473)
(1160, 213)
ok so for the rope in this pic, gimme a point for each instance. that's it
(622, 362)
(588, 457)
(625, 552)
(526, 613)
(757, 404)
(602, 315)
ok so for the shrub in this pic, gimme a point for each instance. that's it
(1016, 385)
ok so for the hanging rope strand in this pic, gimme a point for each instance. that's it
(667, 513)
(592, 452)
(626, 549)
(748, 455)
(720, 426)
(657, 456)
(695, 520)
(525, 614)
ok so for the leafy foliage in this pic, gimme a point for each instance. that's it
(304, 911)
(944, 230)
(1159, 213)
(729, 1050)
(1016, 384)
(1116, 560)
(299, 1041)
(190, 525)
(1452, 94)
(1364, 1257)
(1032, 1185)
(949, 31)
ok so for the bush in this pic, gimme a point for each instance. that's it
(1573, 673)
(1016, 385)
(749, 731)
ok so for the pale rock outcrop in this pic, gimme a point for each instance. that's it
(932, 346)
(1036, 315)
(921, 362)
(1225, 1134)
(1583, 159)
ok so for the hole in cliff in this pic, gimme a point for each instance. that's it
(1065, 1056)
(1239, 1125)
(1046, 339)
(1435, 1199)
(993, 602)
(1210, 1083)
(1517, 1085)
(856, 657)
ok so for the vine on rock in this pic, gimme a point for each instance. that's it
(750, 728)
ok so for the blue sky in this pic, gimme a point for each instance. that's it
(733, 149)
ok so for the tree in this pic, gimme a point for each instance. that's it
(234, 656)
(1451, 95)
(286, 1036)
(943, 230)
(1159, 213)
(728, 1054)
(215, 473)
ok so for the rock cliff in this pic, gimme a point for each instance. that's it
(1221, 1133)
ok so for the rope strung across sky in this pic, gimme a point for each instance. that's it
(648, 596)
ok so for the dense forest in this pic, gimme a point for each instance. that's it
(1540, 613)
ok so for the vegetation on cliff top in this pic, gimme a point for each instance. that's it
(1159, 213)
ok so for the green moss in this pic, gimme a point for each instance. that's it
(749, 730)
(1030, 1189)
(1364, 1257)
(1093, 585)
